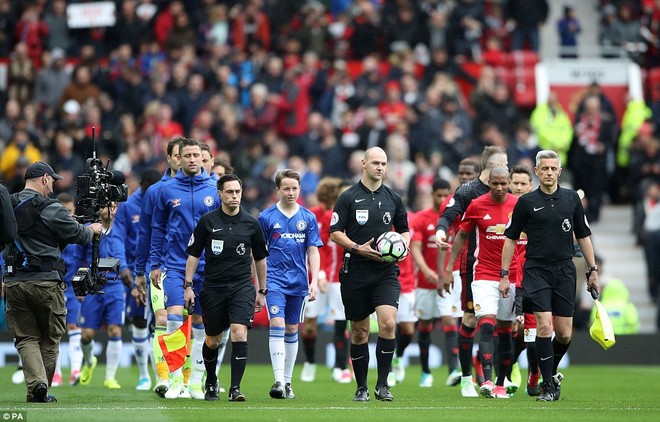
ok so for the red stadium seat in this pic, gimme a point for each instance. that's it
(653, 83)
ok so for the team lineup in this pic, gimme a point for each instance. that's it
(493, 258)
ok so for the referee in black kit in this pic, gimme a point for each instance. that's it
(361, 214)
(231, 239)
(550, 216)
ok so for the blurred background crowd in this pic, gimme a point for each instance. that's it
(309, 85)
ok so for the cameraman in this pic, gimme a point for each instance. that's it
(36, 315)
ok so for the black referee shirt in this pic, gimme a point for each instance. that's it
(229, 243)
(549, 222)
(457, 206)
(363, 214)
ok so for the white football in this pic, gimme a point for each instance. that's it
(391, 246)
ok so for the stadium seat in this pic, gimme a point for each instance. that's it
(653, 83)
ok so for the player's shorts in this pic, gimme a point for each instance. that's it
(173, 287)
(317, 307)
(280, 305)
(103, 309)
(530, 328)
(550, 288)
(72, 306)
(455, 298)
(368, 285)
(406, 311)
(223, 305)
(489, 301)
(467, 301)
(134, 308)
(519, 303)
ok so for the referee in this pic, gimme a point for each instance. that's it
(231, 239)
(550, 216)
(361, 214)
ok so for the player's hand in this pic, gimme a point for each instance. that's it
(431, 276)
(441, 240)
(188, 297)
(405, 253)
(141, 284)
(367, 251)
(520, 319)
(139, 297)
(313, 292)
(447, 284)
(154, 277)
(504, 286)
(126, 277)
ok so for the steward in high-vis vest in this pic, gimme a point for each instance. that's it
(34, 287)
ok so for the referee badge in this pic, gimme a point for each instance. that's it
(362, 216)
(217, 246)
(387, 218)
(566, 225)
(240, 249)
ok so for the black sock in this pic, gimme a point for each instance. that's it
(533, 363)
(545, 355)
(341, 344)
(424, 342)
(451, 347)
(309, 344)
(559, 350)
(518, 346)
(360, 359)
(465, 341)
(504, 359)
(402, 341)
(486, 348)
(210, 363)
(384, 355)
(239, 355)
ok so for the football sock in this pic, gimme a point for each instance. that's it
(486, 346)
(402, 341)
(384, 355)
(341, 344)
(559, 352)
(210, 357)
(75, 351)
(545, 354)
(112, 355)
(222, 349)
(140, 340)
(504, 358)
(531, 358)
(88, 351)
(451, 345)
(424, 341)
(198, 367)
(309, 344)
(465, 341)
(291, 352)
(360, 360)
(277, 352)
(239, 355)
(162, 370)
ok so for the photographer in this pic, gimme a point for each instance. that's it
(36, 315)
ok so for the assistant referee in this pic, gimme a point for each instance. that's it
(231, 239)
(361, 214)
(550, 216)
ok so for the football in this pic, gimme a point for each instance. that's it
(391, 246)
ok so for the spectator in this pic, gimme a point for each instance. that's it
(21, 75)
(552, 127)
(7, 25)
(180, 35)
(59, 35)
(81, 88)
(467, 22)
(611, 35)
(524, 19)
(164, 21)
(192, 100)
(261, 114)
(32, 30)
(499, 109)
(369, 84)
(215, 32)
(652, 238)
(364, 31)
(129, 29)
(20, 146)
(568, 28)
(249, 25)
(67, 163)
(51, 81)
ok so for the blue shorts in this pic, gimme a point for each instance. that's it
(291, 308)
(134, 308)
(173, 287)
(108, 308)
(72, 305)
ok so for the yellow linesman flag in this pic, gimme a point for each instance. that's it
(601, 330)
(176, 345)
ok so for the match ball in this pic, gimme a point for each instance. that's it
(391, 246)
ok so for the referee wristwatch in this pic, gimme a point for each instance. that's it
(503, 272)
(592, 269)
(187, 284)
(263, 291)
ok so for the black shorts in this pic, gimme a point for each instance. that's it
(519, 304)
(549, 288)
(368, 285)
(226, 305)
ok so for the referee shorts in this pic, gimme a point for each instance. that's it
(550, 288)
(369, 285)
(223, 305)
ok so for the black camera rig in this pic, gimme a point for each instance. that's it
(96, 189)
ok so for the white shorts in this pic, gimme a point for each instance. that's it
(427, 304)
(329, 301)
(456, 291)
(530, 335)
(406, 312)
(488, 300)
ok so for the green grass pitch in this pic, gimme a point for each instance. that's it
(613, 393)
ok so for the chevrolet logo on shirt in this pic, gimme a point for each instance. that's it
(497, 229)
